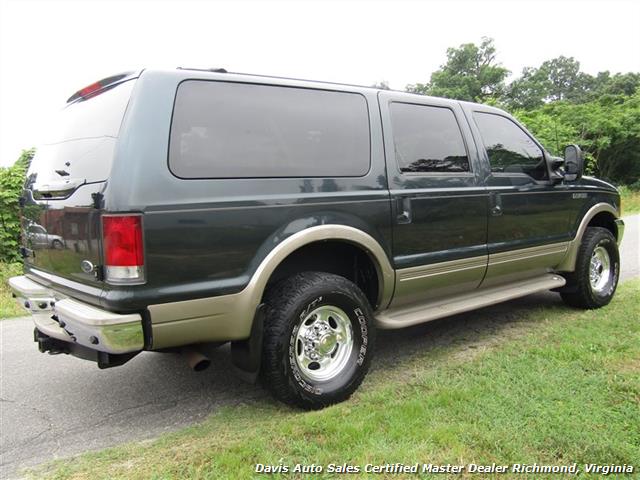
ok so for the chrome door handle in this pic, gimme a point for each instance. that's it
(496, 204)
(404, 210)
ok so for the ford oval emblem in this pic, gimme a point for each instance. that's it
(86, 266)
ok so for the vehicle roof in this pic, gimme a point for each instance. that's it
(220, 74)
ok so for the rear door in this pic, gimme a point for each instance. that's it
(439, 204)
(528, 214)
(65, 181)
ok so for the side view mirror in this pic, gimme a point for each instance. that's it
(573, 163)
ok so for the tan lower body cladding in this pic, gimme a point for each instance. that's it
(434, 291)
(418, 290)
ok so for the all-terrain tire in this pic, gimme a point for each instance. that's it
(309, 315)
(594, 281)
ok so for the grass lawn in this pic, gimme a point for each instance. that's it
(8, 305)
(564, 388)
(630, 201)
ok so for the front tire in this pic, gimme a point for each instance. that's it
(594, 281)
(318, 339)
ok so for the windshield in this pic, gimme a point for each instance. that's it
(80, 144)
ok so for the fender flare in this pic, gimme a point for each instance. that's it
(568, 264)
(334, 232)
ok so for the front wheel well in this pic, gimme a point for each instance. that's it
(605, 220)
(338, 257)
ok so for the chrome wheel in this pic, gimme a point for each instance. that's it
(323, 343)
(599, 269)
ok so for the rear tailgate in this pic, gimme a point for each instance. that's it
(66, 181)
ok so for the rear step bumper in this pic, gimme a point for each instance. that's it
(76, 323)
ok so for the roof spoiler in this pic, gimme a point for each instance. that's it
(100, 86)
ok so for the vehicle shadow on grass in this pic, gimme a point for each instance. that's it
(465, 332)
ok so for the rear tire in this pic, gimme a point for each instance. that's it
(594, 281)
(318, 339)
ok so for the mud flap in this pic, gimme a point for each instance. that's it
(246, 355)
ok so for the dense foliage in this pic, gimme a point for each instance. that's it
(558, 102)
(608, 129)
(11, 180)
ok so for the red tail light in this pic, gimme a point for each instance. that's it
(123, 248)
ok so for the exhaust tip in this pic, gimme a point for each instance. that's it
(196, 360)
(201, 365)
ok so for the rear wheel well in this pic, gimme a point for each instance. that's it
(337, 257)
(605, 220)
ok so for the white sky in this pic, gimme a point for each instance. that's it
(50, 49)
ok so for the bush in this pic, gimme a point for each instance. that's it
(8, 305)
(11, 181)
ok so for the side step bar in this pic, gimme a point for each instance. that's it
(401, 317)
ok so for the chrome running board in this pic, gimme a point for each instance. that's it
(406, 316)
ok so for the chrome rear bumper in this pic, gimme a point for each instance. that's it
(75, 322)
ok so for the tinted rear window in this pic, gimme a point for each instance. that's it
(232, 130)
(81, 141)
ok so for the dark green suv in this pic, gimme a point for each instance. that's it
(293, 219)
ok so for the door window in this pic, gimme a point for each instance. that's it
(427, 139)
(510, 149)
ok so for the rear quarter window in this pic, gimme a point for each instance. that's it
(237, 130)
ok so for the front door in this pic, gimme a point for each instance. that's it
(528, 214)
(439, 204)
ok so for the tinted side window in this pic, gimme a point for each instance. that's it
(427, 139)
(509, 148)
(230, 130)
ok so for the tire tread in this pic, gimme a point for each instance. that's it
(283, 297)
(578, 293)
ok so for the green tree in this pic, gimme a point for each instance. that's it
(565, 81)
(556, 79)
(561, 79)
(529, 91)
(11, 182)
(470, 73)
(619, 84)
(608, 129)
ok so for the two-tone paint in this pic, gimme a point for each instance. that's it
(211, 245)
